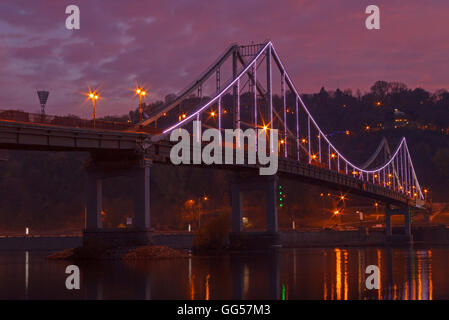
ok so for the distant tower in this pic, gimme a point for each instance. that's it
(43, 96)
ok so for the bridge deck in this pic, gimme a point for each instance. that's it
(309, 173)
(38, 136)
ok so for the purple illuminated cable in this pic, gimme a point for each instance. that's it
(297, 126)
(233, 82)
(255, 98)
(418, 187)
(318, 128)
(272, 51)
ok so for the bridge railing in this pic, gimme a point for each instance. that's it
(65, 121)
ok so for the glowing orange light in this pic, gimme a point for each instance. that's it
(303, 140)
(282, 141)
(333, 155)
(265, 128)
(347, 132)
(93, 95)
(141, 92)
(313, 156)
(184, 115)
(336, 212)
(378, 103)
(342, 198)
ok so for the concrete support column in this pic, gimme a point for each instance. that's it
(142, 197)
(272, 215)
(407, 222)
(236, 202)
(94, 201)
(388, 223)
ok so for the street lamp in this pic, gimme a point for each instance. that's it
(93, 95)
(204, 198)
(141, 93)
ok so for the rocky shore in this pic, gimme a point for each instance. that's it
(147, 252)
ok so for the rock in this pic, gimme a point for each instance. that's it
(153, 252)
(118, 253)
(63, 255)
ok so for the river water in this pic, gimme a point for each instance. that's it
(315, 273)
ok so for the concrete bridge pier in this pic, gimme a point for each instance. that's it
(406, 212)
(94, 201)
(247, 240)
(140, 233)
(141, 176)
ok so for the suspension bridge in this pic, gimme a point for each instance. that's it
(236, 92)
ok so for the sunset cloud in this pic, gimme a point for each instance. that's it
(166, 44)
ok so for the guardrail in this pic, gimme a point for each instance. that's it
(65, 121)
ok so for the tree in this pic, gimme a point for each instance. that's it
(380, 89)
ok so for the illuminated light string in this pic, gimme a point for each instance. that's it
(233, 82)
(286, 76)
(376, 170)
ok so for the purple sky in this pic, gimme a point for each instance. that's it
(166, 44)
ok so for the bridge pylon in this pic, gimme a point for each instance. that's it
(269, 238)
(404, 211)
(140, 233)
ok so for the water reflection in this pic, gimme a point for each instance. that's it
(27, 273)
(403, 274)
(337, 273)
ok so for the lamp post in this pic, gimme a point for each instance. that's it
(93, 95)
(141, 93)
(204, 198)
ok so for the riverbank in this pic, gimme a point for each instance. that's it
(422, 235)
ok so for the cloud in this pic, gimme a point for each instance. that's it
(166, 44)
